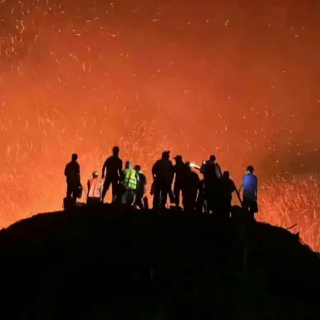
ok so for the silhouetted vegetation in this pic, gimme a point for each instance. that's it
(118, 263)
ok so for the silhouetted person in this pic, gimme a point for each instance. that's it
(250, 192)
(72, 173)
(228, 187)
(111, 171)
(162, 173)
(190, 189)
(141, 187)
(94, 190)
(211, 175)
(179, 170)
(130, 183)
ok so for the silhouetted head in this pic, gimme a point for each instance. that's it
(115, 151)
(226, 175)
(128, 165)
(178, 159)
(74, 157)
(165, 155)
(250, 169)
(137, 168)
(95, 174)
(212, 158)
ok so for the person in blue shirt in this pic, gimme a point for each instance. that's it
(250, 192)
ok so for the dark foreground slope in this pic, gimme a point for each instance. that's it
(111, 264)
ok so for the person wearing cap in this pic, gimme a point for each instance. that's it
(94, 190)
(130, 183)
(162, 173)
(250, 192)
(179, 170)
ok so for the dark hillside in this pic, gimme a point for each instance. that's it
(113, 264)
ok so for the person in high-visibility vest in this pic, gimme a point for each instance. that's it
(94, 189)
(130, 182)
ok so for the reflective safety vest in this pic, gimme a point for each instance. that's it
(130, 179)
(95, 188)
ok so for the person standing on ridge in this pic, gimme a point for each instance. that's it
(180, 170)
(111, 172)
(130, 183)
(227, 189)
(72, 173)
(162, 173)
(141, 187)
(250, 192)
(94, 190)
(211, 175)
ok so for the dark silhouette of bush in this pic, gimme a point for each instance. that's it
(115, 263)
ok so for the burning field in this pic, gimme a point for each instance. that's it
(197, 77)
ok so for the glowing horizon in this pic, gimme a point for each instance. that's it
(204, 77)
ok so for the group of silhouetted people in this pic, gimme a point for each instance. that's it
(212, 194)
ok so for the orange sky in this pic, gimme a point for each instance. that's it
(238, 79)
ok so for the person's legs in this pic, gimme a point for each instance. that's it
(245, 205)
(131, 196)
(252, 209)
(156, 196)
(193, 200)
(186, 202)
(225, 208)
(106, 187)
(89, 201)
(69, 190)
(208, 196)
(164, 196)
(170, 193)
(124, 197)
(74, 192)
(115, 189)
(138, 201)
(176, 192)
(200, 202)
(248, 207)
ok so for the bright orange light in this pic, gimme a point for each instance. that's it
(236, 80)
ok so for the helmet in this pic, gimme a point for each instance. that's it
(95, 174)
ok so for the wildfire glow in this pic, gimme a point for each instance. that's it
(200, 77)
